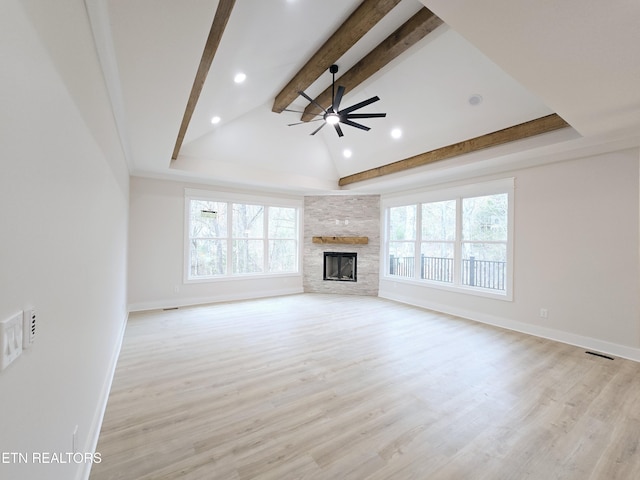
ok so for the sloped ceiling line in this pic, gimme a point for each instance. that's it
(223, 12)
(368, 14)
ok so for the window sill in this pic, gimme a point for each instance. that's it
(241, 277)
(478, 292)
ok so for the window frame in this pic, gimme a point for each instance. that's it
(457, 193)
(238, 198)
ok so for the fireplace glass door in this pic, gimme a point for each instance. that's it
(340, 266)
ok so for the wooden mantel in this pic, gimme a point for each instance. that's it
(342, 240)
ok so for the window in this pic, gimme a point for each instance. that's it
(456, 239)
(402, 238)
(207, 238)
(233, 238)
(248, 238)
(484, 241)
(283, 239)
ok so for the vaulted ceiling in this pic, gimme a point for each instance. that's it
(458, 78)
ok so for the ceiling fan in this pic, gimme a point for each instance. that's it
(333, 115)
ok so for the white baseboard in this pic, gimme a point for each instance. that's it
(96, 423)
(191, 301)
(589, 343)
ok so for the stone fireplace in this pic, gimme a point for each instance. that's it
(343, 226)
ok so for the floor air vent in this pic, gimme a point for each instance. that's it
(599, 355)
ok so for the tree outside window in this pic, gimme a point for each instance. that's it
(248, 235)
(402, 241)
(283, 243)
(233, 238)
(438, 241)
(207, 238)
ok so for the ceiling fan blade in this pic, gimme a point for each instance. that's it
(338, 99)
(312, 101)
(366, 115)
(338, 129)
(300, 123)
(359, 105)
(354, 124)
(318, 129)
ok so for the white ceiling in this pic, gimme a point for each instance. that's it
(577, 58)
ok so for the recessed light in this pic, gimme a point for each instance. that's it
(396, 133)
(475, 100)
(240, 77)
(215, 120)
(346, 153)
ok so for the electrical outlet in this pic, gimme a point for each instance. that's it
(544, 313)
(10, 339)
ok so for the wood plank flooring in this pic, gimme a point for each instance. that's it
(345, 387)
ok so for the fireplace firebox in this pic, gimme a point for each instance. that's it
(341, 266)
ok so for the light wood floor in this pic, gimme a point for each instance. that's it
(346, 387)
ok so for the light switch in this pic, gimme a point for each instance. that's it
(10, 339)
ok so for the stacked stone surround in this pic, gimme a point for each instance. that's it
(342, 216)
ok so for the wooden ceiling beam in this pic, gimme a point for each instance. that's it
(353, 29)
(411, 32)
(538, 126)
(223, 12)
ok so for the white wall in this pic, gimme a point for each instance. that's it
(63, 223)
(156, 260)
(576, 254)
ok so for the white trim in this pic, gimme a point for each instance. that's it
(569, 338)
(464, 289)
(223, 196)
(98, 13)
(435, 194)
(98, 416)
(243, 277)
(191, 301)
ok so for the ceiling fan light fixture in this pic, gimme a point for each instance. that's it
(332, 118)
